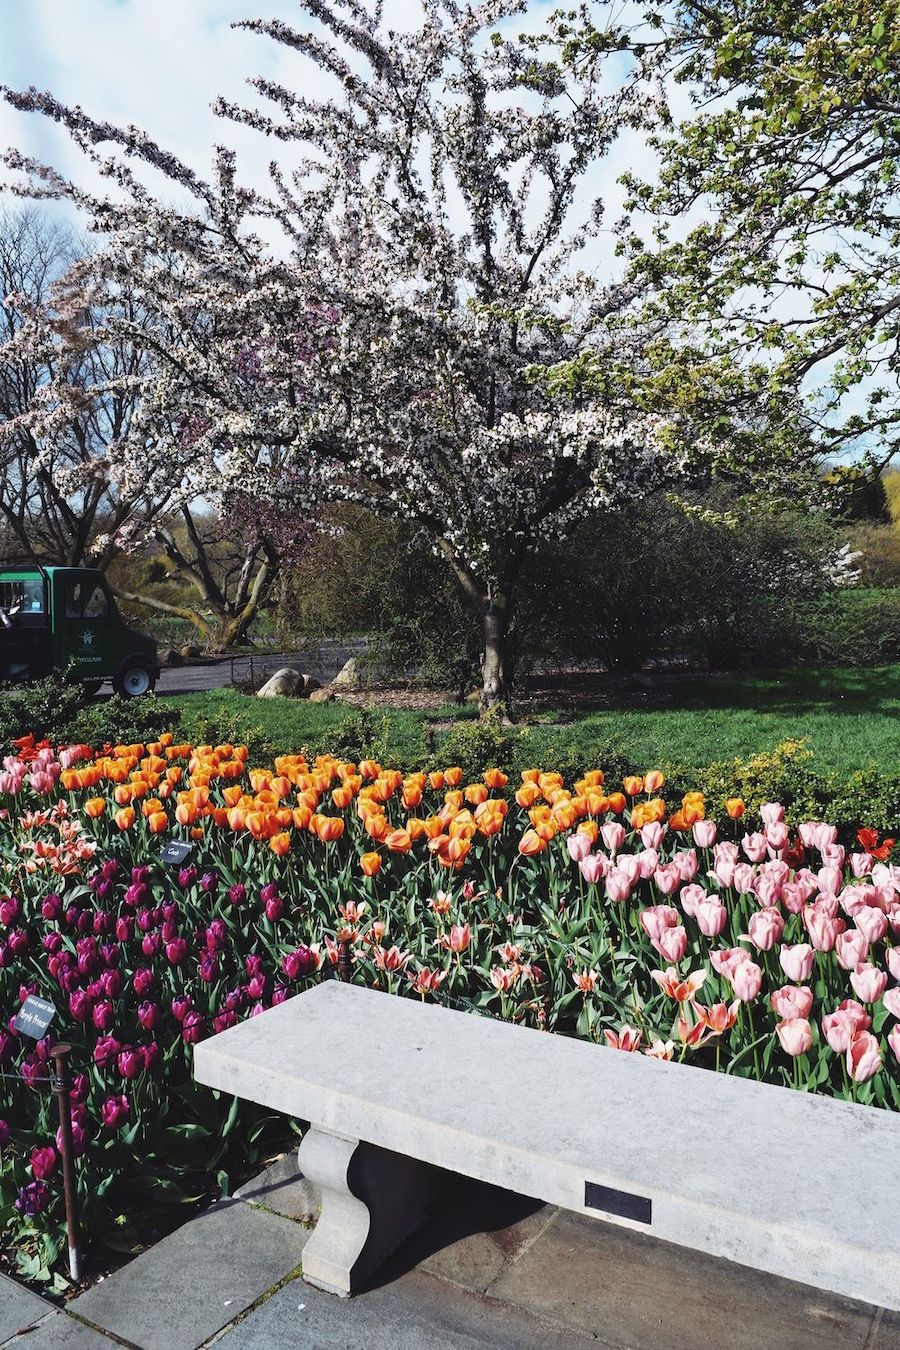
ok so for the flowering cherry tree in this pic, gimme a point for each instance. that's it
(437, 223)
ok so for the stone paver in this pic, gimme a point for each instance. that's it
(19, 1308)
(283, 1188)
(197, 1280)
(417, 1312)
(59, 1332)
(631, 1290)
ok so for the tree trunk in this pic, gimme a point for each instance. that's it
(494, 667)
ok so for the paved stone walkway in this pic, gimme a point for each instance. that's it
(495, 1270)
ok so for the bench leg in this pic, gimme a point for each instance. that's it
(371, 1200)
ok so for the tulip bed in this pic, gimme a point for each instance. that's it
(769, 950)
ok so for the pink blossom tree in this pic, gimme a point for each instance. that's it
(414, 337)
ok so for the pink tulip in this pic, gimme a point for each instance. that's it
(593, 867)
(743, 878)
(613, 835)
(777, 836)
(822, 927)
(793, 897)
(797, 961)
(726, 851)
(648, 861)
(747, 981)
(851, 948)
(791, 1001)
(765, 929)
(808, 832)
(771, 813)
(723, 871)
(795, 1036)
(894, 1040)
(861, 864)
(869, 983)
(672, 944)
(711, 916)
(687, 864)
(704, 833)
(667, 878)
(826, 834)
(627, 1038)
(768, 891)
(579, 846)
(892, 956)
(630, 864)
(872, 922)
(618, 887)
(830, 880)
(841, 1026)
(653, 834)
(725, 962)
(691, 897)
(755, 847)
(891, 1000)
(863, 1056)
(657, 918)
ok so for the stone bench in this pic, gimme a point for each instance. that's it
(801, 1186)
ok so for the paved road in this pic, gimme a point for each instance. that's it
(322, 662)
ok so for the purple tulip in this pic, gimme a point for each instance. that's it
(102, 922)
(26, 990)
(274, 910)
(114, 1111)
(7, 1045)
(81, 1086)
(9, 910)
(280, 993)
(130, 1062)
(51, 942)
(180, 1006)
(143, 981)
(80, 1005)
(68, 980)
(208, 967)
(106, 1049)
(268, 892)
(51, 907)
(111, 982)
(253, 965)
(140, 875)
(299, 963)
(109, 869)
(208, 882)
(186, 877)
(6, 956)
(43, 1162)
(150, 1051)
(257, 987)
(18, 941)
(237, 894)
(192, 1028)
(148, 1014)
(151, 944)
(33, 1198)
(223, 1020)
(79, 1138)
(103, 890)
(31, 1071)
(4, 1133)
(171, 912)
(234, 1000)
(103, 1015)
(176, 951)
(170, 930)
(136, 895)
(124, 929)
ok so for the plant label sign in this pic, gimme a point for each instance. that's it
(34, 1017)
(175, 852)
(611, 1201)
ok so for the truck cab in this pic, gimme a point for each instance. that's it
(59, 618)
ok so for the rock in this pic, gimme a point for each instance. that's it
(171, 657)
(326, 695)
(307, 686)
(190, 652)
(348, 675)
(283, 684)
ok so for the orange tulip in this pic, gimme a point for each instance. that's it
(531, 775)
(453, 776)
(124, 817)
(330, 829)
(280, 844)
(158, 822)
(398, 841)
(436, 780)
(476, 793)
(370, 768)
(735, 807)
(531, 843)
(527, 795)
(633, 785)
(370, 864)
(615, 802)
(654, 781)
(495, 778)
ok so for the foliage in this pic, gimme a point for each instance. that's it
(44, 707)
(601, 910)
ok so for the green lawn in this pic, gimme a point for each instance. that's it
(849, 718)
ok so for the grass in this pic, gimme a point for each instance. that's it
(850, 719)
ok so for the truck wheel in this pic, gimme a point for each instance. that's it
(133, 680)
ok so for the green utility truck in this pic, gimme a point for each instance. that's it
(65, 618)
